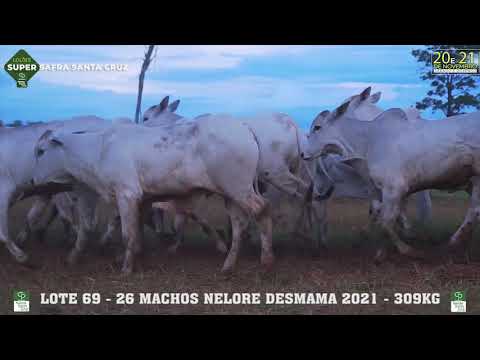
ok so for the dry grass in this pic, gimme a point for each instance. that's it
(346, 266)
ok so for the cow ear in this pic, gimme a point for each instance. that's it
(325, 113)
(164, 103)
(56, 142)
(173, 106)
(365, 94)
(342, 109)
(375, 97)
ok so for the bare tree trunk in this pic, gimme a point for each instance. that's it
(146, 62)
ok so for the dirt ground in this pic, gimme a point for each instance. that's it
(345, 267)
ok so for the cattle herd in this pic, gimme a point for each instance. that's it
(168, 163)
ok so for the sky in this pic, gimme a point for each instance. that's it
(237, 79)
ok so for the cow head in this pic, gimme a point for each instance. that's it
(49, 155)
(161, 110)
(327, 124)
(325, 135)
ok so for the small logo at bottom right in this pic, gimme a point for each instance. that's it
(458, 302)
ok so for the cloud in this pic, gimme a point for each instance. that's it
(227, 78)
(235, 93)
(240, 89)
(168, 57)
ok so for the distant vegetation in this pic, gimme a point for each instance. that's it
(19, 123)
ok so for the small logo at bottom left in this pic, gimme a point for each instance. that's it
(21, 301)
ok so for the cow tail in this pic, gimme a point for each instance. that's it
(255, 181)
(297, 135)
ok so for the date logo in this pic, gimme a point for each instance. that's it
(448, 62)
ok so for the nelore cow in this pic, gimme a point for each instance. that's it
(397, 157)
(213, 155)
(16, 173)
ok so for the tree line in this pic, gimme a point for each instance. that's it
(18, 123)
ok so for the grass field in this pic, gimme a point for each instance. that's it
(346, 266)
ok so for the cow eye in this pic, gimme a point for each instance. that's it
(316, 127)
(40, 152)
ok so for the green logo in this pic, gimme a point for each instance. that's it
(20, 295)
(21, 67)
(457, 296)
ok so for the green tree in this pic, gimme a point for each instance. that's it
(16, 123)
(452, 94)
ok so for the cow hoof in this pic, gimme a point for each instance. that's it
(267, 261)
(172, 250)
(222, 248)
(380, 256)
(127, 268)
(227, 270)
(21, 238)
(454, 242)
(126, 271)
(30, 264)
(72, 259)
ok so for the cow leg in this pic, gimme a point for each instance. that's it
(70, 231)
(320, 224)
(5, 197)
(79, 246)
(211, 233)
(264, 221)
(390, 212)
(424, 206)
(130, 217)
(179, 223)
(307, 199)
(404, 224)
(112, 224)
(465, 231)
(83, 213)
(158, 220)
(34, 220)
(239, 223)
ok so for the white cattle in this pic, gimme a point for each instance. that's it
(278, 137)
(279, 140)
(133, 167)
(182, 210)
(367, 110)
(397, 158)
(16, 171)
